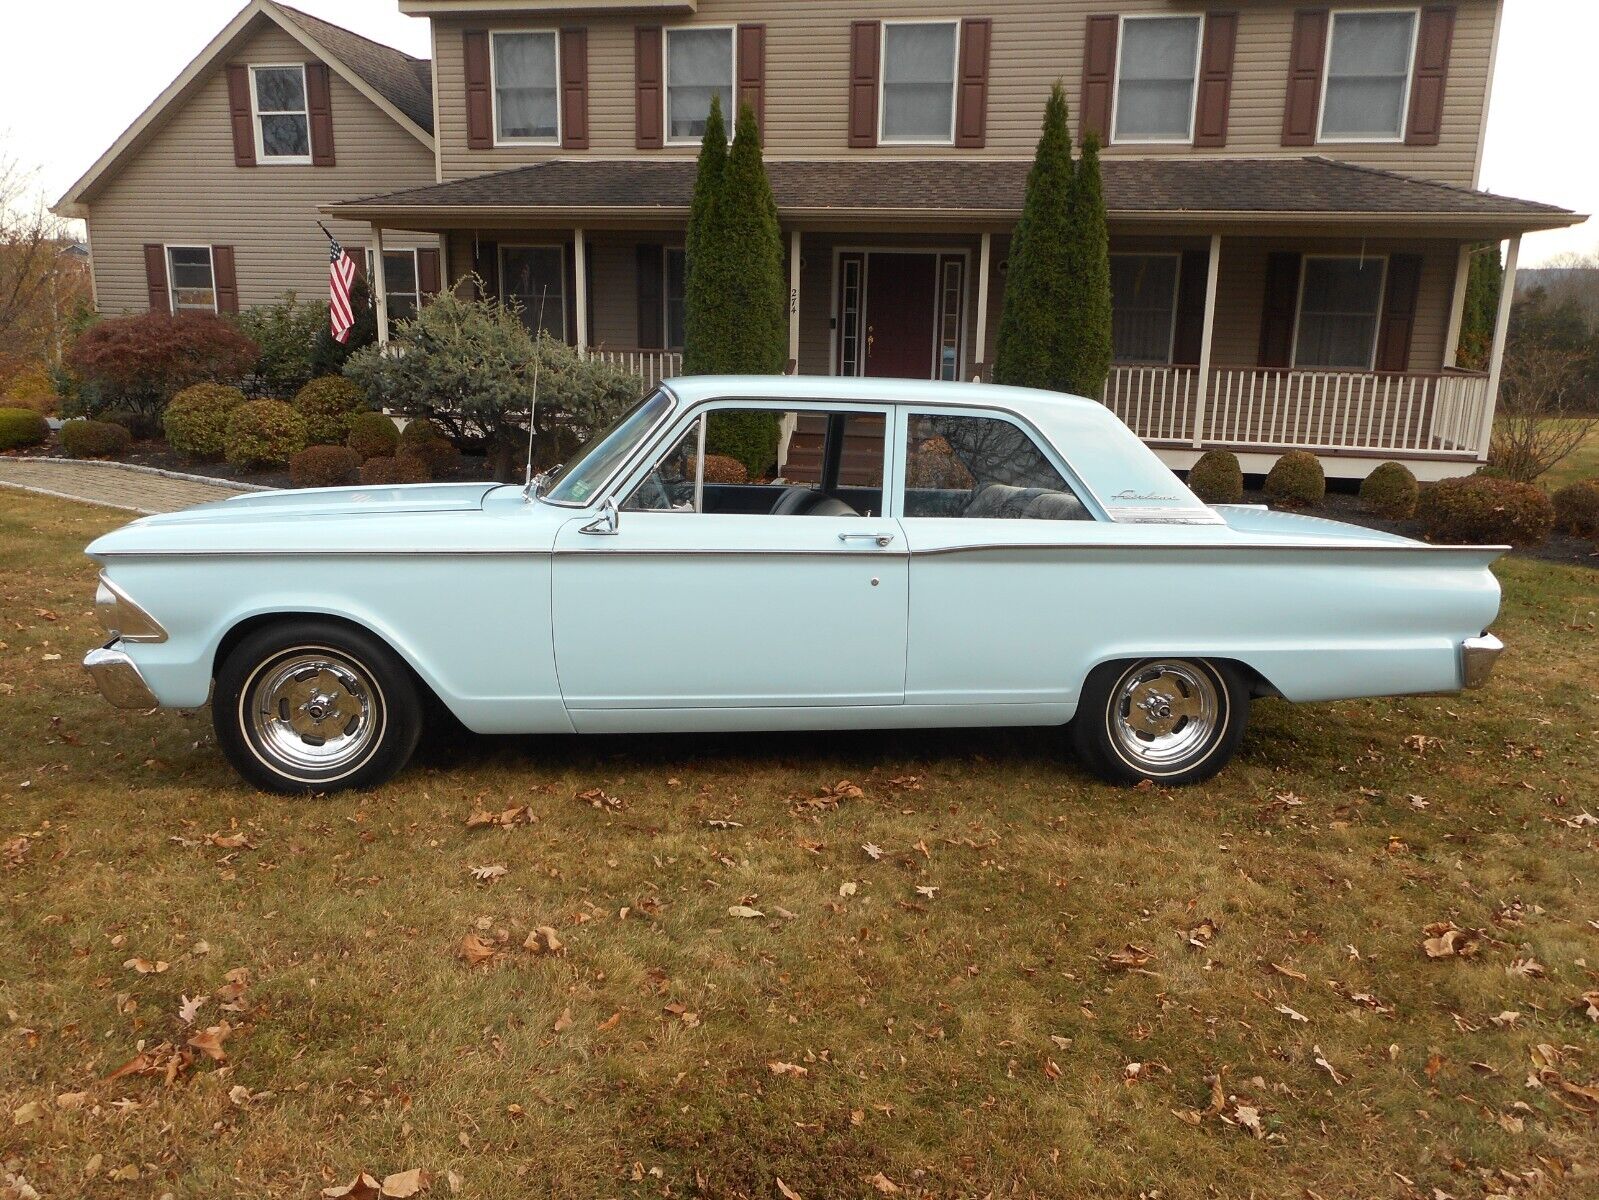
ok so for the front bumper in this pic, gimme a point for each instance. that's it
(1477, 658)
(118, 678)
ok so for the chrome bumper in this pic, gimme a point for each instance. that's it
(118, 679)
(1477, 658)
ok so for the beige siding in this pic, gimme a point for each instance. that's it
(182, 187)
(1034, 43)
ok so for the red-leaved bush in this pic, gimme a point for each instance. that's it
(141, 362)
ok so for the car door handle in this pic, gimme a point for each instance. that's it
(881, 539)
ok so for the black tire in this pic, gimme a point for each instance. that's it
(1194, 720)
(356, 727)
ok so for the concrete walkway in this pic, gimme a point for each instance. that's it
(114, 485)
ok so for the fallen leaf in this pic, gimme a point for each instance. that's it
(1446, 940)
(481, 818)
(72, 1100)
(1129, 958)
(1291, 1014)
(1289, 972)
(1321, 1061)
(610, 1022)
(873, 852)
(564, 1021)
(489, 873)
(788, 1068)
(1203, 934)
(362, 1187)
(929, 891)
(744, 911)
(599, 798)
(404, 1184)
(544, 940)
(1590, 1002)
(787, 1192)
(27, 1113)
(1506, 1019)
(145, 967)
(189, 1008)
(1247, 1116)
(884, 1185)
(209, 1041)
(474, 951)
(1527, 968)
(230, 841)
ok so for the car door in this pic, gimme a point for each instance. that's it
(694, 594)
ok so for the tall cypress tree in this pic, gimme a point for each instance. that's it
(1481, 312)
(1089, 314)
(700, 341)
(1032, 347)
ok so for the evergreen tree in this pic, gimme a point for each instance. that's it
(1481, 313)
(1088, 316)
(699, 338)
(1032, 347)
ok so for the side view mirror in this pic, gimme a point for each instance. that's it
(604, 525)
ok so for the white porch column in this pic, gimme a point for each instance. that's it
(1457, 308)
(1496, 357)
(1202, 385)
(580, 298)
(793, 301)
(380, 286)
(985, 257)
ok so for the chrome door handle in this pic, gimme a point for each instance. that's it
(882, 539)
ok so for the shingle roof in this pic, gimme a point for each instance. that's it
(405, 82)
(1165, 186)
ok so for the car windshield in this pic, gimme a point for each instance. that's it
(577, 482)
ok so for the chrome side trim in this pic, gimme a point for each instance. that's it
(122, 618)
(118, 678)
(1210, 547)
(1477, 658)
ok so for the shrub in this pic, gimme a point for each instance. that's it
(402, 468)
(442, 458)
(31, 388)
(1390, 490)
(286, 333)
(751, 437)
(420, 430)
(373, 435)
(325, 466)
(140, 425)
(327, 404)
(1297, 480)
(328, 356)
(1479, 508)
(1577, 508)
(196, 422)
(933, 465)
(21, 427)
(719, 468)
(139, 363)
(1217, 478)
(262, 434)
(94, 439)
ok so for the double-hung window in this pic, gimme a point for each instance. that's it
(699, 65)
(526, 87)
(1369, 58)
(1340, 301)
(919, 82)
(399, 281)
(282, 119)
(1157, 66)
(191, 279)
(1143, 297)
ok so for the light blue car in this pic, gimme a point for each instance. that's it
(780, 553)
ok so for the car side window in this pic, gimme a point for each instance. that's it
(770, 462)
(982, 467)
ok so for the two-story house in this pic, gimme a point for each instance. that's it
(1291, 190)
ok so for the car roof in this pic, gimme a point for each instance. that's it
(693, 388)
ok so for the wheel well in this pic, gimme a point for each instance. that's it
(1259, 686)
(250, 624)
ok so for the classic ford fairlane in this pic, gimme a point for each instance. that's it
(862, 553)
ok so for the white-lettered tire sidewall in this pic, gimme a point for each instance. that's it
(1098, 746)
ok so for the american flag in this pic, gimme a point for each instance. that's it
(341, 276)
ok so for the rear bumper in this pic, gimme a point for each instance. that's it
(1477, 658)
(118, 678)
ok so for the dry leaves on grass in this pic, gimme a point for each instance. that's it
(1130, 958)
(1445, 939)
(488, 873)
(13, 851)
(788, 1068)
(229, 841)
(476, 951)
(827, 799)
(744, 911)
(145, 967)
(483, 819)
(1201, 935)
(1589, 1003)
(601, 799)
(167, 1060)
(401, 1185)
(544, 940)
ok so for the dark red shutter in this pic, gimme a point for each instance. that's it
(1398, 312)
(865, 41)
(651, 297)
(1099, 76)
(155, 277)
(649, 96)
(319, 103)
(1307, 53)
(225, 279)
(971, 100)
(752, 72)
(239, 114)
(575, 89)
(1279, 308)
(429, 278)
(1189, 335)
(479, 89)
(1433, 42)
(1215, 79)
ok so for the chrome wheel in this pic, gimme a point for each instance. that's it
(313, 713)
(1163, 713)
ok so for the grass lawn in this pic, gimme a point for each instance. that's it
(943, 1019)
(1582, 463)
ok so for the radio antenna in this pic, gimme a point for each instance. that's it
(533, 401)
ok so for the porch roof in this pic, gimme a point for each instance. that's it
(1208, 192)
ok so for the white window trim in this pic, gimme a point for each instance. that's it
(1176, 295)
(1376, 330)
(730, 119)
(1193, 87)
(1326, 78)
(494, 91)
(280, 160)
(172, 291)
(882, 87)
(559, 248)
(389, 252)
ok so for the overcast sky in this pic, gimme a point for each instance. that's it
(75, 73)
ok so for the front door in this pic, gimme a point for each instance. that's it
(900, 314)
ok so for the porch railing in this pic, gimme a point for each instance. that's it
(652, 365)
(1310, 409)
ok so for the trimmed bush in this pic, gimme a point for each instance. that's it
(286, 332)
(1217, 478)
(719, 468)
(442, 458)
(263, 434)
(419, 430)
(21, 427)
(1577, 508)
(1391, 490)
(94, 439)
(373, 435)
(401, 468)
(196, 422)
(1483, 509)
(140, 425)
(1297, 480)
(325, 466)
(327, 404)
